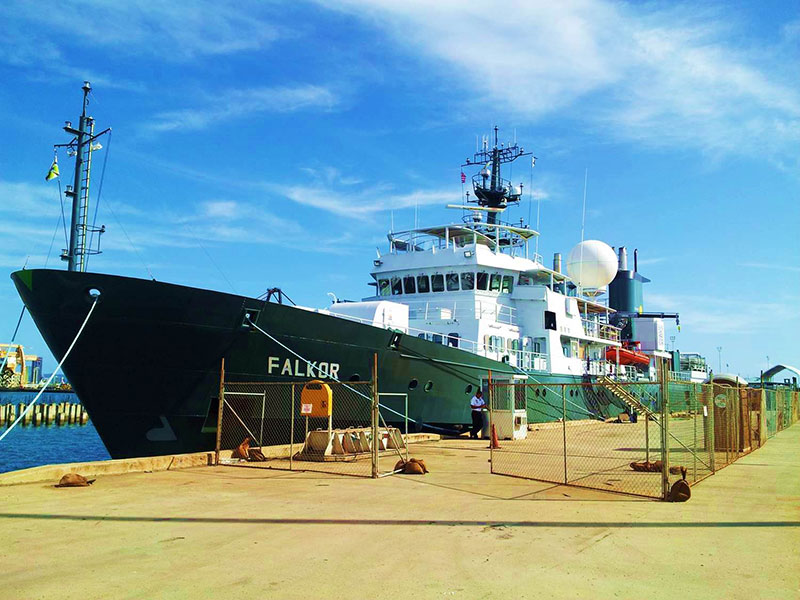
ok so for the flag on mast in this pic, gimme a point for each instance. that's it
(53, 172)
(463, 177)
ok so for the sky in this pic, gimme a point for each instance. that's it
(273, 144)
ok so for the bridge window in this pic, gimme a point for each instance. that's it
(383, 287)
(423, 284)
(549, 320)
(494, 283)
(397, 288)
(483, 281)
(508, 284)
(452, 282)
(525, 279)
(408, 285)
(437, 283)
(468, 281)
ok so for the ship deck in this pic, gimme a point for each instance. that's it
(459, 531)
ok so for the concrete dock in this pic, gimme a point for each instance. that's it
(458, 532)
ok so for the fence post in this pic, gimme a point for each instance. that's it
(491, 423)
(711, 442)
(664, 427)
(564, 427)
(375, 403)
(291, 433)
(219, 410)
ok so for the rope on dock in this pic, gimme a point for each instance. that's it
(55, 372)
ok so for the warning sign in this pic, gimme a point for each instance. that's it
(306, 409)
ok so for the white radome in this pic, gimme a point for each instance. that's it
(592, 264)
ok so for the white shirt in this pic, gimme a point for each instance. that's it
(477, 403)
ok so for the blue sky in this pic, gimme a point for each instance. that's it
(260, 144)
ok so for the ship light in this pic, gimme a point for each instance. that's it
(377, 262)
(467, 253)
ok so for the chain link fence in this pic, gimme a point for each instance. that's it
(660, 431)
(279, 426)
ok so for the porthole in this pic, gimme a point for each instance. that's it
(468, 389)
(355, 377)
(544, 393)
(413, 384)
(571, 393)
(429, 386)
(93, 293)
(537, 392)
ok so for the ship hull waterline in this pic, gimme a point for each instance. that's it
(147, 366)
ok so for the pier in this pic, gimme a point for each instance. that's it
(457, 532)
(62, 413)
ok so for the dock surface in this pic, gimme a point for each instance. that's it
(458, 532)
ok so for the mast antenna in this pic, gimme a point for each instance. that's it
(81, 147)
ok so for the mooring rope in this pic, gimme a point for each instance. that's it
(55, 372)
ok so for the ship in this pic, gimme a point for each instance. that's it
(451, 305)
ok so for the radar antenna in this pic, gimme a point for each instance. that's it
(492, 192)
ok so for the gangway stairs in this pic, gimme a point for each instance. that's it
(627, 398)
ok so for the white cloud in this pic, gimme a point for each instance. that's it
(774, 267)
(237, 103)
(676, 76)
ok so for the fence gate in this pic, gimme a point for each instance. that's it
(331, 427)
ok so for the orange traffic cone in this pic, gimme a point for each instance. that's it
(495, 445)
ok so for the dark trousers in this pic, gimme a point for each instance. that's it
(477, 423)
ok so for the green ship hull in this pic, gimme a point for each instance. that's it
(147, 366)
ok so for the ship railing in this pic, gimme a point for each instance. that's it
(678, 376)
(439, 311)
(598, 329)
(607, 368)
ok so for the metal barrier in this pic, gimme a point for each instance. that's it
(650, 435)
(279, 426)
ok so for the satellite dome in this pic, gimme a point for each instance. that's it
(592, 264)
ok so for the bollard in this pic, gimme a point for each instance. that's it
(50, 413)
(26, 420)
(61, 417)
(2, 414)
(37, 415)
(11, 414)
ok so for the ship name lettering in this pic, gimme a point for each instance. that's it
(301, 368)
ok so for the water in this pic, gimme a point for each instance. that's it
(50, 444)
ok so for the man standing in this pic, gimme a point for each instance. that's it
(477, 405)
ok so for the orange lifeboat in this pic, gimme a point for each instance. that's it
(629, 354)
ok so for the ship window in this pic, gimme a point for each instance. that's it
(396, 287)
(355, 377)
(514, 345)
(508, 284)
(383, 287)
(408, 284)
(468, 281)
(468, 389)
(452, 282)
(437, 338)
(452, 339)
(566, 348)
(437, 283)
(421, 336)
(423, 285)
(525, 279)
(494, 283)
(483, 281)
(429, 386)
(549, 320)
(413, 384)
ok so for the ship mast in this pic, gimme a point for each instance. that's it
(492, 192)
(81, 146)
